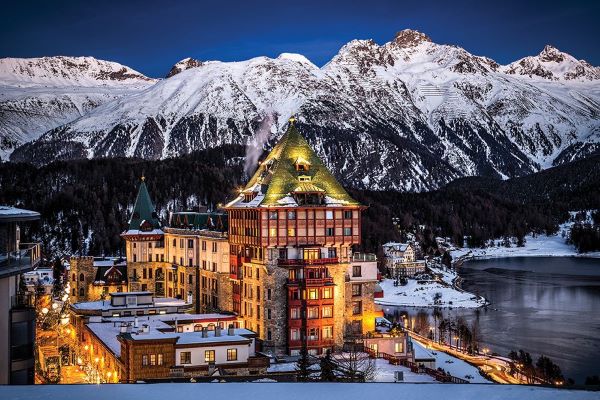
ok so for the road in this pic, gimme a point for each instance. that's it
(497, 368)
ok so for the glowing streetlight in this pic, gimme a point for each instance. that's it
(45, 311)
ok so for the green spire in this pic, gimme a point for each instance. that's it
(143, 210)
(281, 174)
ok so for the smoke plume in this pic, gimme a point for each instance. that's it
(255, 146)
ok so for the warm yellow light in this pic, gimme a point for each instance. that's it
(96, 360)
(109, 374)
(86, 347)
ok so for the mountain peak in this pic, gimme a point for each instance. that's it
(183, 65)
(551, 53)
(410, 38)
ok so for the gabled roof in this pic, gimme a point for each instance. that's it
(199, 221)
(143, 211)
(277, 176)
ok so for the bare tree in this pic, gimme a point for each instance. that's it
(354, 364)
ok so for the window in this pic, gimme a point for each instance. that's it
(209, 356)
(328, 293)
(191, 279)
(214, 247)
(272, 232)
(268, 294)
(295, 313)
(329, 214)
(356, 289)
(179, 328)
(160, 359)
(269, 334)
(181, 243)
(313, 312)
(327, 311)
(398, 347)
(295, 295)
(144, 359)
(356, 307)
(283, 254)
(272, 214)
(174, 242)
(135, 258)
(291, 232)
(231, 354)
(81, 278)
(356, 271)
(268, 313)
(74, 278)
(304, 178)
(328, 332)
(347, 214)
(332, 252)
(328, 231)
(152, 359)
(214, 267)
(313, 334)
(185, 357)
(291, 215)
(295, 334)
(197, 328)
(81, 292)
(347, 231)
(190, 262)
(190, 243)
(313, 294)
(204, 245)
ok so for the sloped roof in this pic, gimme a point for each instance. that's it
(143, 210)
(198, 220)
(277, 176)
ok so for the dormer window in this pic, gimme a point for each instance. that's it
(302, 164)
(304, 178)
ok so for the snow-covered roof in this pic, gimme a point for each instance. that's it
(17, 214)
(105, 305)
(421, 353)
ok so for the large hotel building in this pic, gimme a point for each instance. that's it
(281, 258)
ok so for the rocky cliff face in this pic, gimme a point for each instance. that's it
(408, 115)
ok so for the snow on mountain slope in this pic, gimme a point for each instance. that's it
(409, 114)
(553, 64)
(39, 94)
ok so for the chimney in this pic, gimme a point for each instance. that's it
(230, 330)
(123, 328)
(135, 323)
(204, 332)
(145, 328)
(218, 331)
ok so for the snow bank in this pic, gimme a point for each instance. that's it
(290, 391)
(422, 295)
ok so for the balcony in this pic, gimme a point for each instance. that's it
(23, 301)
(311, 281)
(299, 262)
(16, 262)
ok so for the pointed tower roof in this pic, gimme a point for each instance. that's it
(143, 217)
(292, 167)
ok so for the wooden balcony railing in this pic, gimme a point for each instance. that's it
(302, 262)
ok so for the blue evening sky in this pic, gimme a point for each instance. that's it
(150, 36)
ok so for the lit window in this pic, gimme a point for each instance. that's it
(398, 347)
(272, 232)
(313, 334)
(152, 359)
(304, 178)
(144, 359)
(313, 312)
(328, 332)
(231, 354)
(328, 293)
(291, 232)
(209, 356)
(295, 313)
(160, 359)
(327, 312)
(313, 294)
(295, 334)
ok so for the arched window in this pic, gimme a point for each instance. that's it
(81, 277)
(74, 278)
(211, 327)
(81, 292)
(198, 328)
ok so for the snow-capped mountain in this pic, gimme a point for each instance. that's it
(38, 94)
(409, 114)
(553, 64)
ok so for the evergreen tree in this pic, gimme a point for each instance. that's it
(327, 368)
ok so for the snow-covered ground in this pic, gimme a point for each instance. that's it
(415, 294)
(454, 366)
(385, 373)
(539, 246)
(290, 391)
